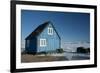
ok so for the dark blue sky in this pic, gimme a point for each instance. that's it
(70, 26)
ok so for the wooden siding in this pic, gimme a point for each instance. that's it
(53, 41)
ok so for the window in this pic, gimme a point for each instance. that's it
(43, 43)
(50, 30)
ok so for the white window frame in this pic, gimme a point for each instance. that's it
(50, 31)
(43, 42)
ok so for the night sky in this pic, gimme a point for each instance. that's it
(70, 26)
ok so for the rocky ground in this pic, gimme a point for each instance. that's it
(41, 58)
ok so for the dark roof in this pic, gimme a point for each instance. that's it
(39, 29)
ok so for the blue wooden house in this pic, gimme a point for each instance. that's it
(43, 39)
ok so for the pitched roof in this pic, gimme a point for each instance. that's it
(39, 29)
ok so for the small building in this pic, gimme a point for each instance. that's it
(44, 38)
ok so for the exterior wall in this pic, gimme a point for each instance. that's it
(32, 47)
(53, 41)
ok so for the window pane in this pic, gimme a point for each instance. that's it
(50, 30)
(43, 42)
